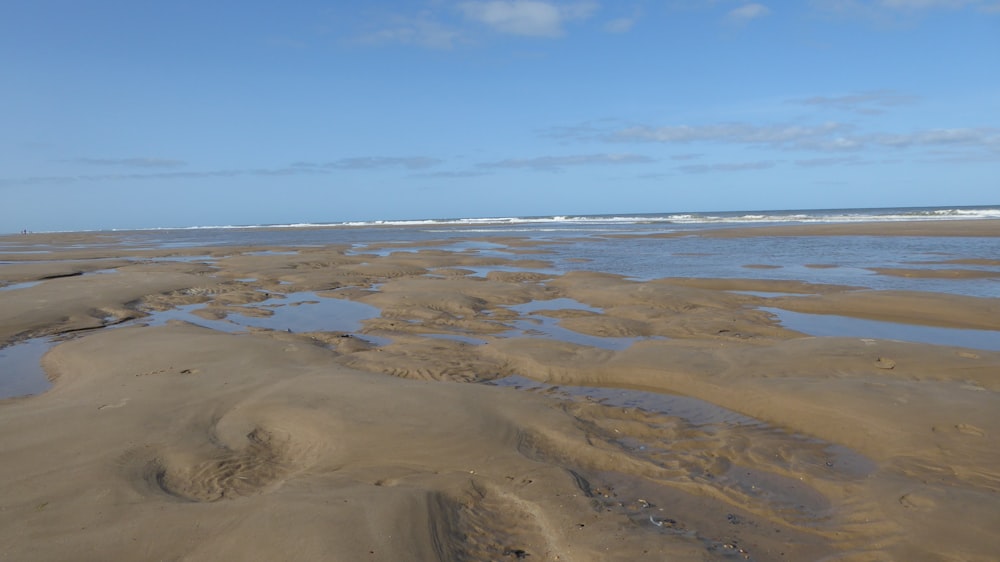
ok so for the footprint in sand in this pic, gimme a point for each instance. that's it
(118, 404)
(917, 501)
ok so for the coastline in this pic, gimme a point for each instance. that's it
(981, 227)
(455, 425)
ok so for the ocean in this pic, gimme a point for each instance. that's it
(626, 244)
(621, 244)
(637, 223)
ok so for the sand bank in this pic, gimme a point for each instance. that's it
(484, 415)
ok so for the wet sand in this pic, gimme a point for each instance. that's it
(493, 410)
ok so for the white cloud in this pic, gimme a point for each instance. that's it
(775, 135)
(834, 161)
(526, 17)
(727, 167)
(921, 4)
(982, 137)
(421, 31)
(748, 12)
(460, 174)
(827, 137)
(880, 9)
(557, 162)
(382, 162)
(293, 169)
(619, 25)
(868, 103)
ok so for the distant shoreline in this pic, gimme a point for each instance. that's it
(693, 219)
(978, 227)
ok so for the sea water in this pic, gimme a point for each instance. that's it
(621, 244)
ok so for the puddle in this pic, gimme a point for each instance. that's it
(465, 246)
(770, 294)
(547, 327)
(297, 312)
(483, 271)
(17, 286)
(309, 312)
(184, 258)
(844, 326)
(272, 253)
(21, 370)
(185, 313)
(554, 304)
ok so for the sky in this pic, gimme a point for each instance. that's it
(144, 114)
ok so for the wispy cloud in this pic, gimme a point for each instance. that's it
(866, 103)
(527, 17)
(383, 162)
(422, 30)
(741, 133)
(986, 137)
(552, 163)
(727, 167)
(131, 162)
(300, 168)
(619, 25)
(924, 4)
(822, 162)
(747, 13)
(451, 174)
(883, 9)
(826, 137)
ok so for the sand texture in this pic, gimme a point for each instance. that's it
(516, 414)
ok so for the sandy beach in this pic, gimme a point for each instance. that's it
(512, 414)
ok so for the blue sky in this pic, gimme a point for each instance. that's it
(180, 113)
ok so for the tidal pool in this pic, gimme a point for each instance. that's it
(21, 370)
(845, 326)
(536, 325)
(294, 312)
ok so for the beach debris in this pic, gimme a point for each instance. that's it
(884, 363)
(969, 429)
(666, 523)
